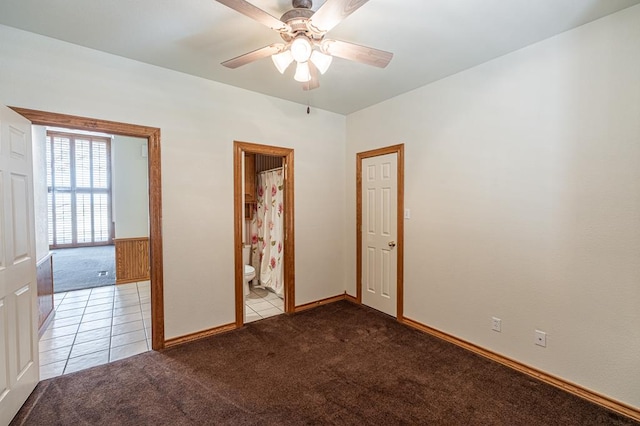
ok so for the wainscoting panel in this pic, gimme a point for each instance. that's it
(132, 259)
(44, 270)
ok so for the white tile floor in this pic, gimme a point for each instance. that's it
(261, 303)
(96, 326)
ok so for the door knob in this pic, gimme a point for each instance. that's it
(392, 244)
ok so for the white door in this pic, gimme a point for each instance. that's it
(19, 369)
(379, 232)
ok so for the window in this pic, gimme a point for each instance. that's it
(79, 185)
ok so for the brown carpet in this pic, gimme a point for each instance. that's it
(336, 364)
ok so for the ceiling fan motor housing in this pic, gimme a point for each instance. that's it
(297, 19)
(303, 4)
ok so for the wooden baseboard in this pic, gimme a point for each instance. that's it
(175, 341)
(199, 335)
(317, 303)
(352, 299)
(589, 395)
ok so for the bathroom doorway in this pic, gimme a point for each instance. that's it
(277, 161)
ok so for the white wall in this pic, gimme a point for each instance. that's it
(129, 187)
(40, 203)
(523, 178)
(199, 120)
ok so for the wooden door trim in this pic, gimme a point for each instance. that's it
(399, 150)
(152, 134)
(239, 148)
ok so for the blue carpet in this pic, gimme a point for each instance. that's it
(79, 268)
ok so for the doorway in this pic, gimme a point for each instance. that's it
(380, 229)
(152, 135)
(242, 210)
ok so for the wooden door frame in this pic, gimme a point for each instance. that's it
(399, 150)
(152, 134)
(239, 149)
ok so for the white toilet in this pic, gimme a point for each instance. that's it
(249, 271)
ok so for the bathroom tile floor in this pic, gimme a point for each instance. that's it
(96, 326)
(262, 303)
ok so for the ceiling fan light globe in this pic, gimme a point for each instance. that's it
(303, 74)
(321, 61)
(282, 60)
(301, 49)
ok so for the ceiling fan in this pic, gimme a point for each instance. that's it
(303, 32)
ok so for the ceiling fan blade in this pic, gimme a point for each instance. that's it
(332, 12)
(256, 14)
(355, 52)
(263, 52)
(314, 83)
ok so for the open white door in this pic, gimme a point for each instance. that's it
(379, 232)
(19, 369)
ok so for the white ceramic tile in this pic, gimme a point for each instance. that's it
(259, 307)
(54, 369)
(252, 317)
(144, 284)
(126, 338)
(86, 361)
(89, 347)
(126, 289)
(271, 296)
(92, 316)
(61, 322)
(100, 301)
(270, 312)
(128, 350)
(124, 303)
(60, 331)
(127, 327)
(98, 308)
(102, 290)
(75, 299)
(69, 313)
(92, 325)
(278, 303)
(75, 293)
(65, 306)
(55, 343)
(59, 296)
(95, 334)
(147, 325)
(127, 318)
(54, 355)
(248, 310)
(134, 309)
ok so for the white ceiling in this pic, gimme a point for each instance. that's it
(430, 39)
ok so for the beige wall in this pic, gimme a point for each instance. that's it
(130, 187)
(523, 180)
(522, 174)
(199, 120)
(40, 203)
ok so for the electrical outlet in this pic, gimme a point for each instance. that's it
(496, 324)
(541, 338)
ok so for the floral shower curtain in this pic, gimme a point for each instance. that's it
(267, 237)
